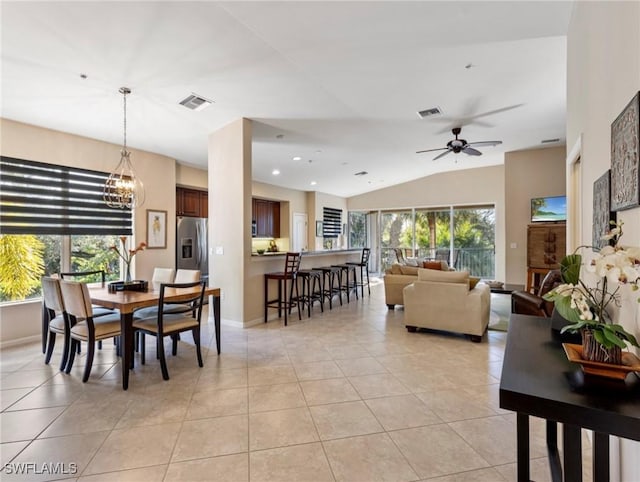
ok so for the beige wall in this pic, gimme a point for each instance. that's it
(527, 174)
(45, 145)
(603, 74)
(471, 186)
(230, 208)
(187, 176)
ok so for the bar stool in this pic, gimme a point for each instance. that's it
(311, 289)
(348, 286)
(290, 273)
(331, 276)
(364, 269)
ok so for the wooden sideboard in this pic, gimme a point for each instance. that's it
(546, 246)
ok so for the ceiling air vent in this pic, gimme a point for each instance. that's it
(195, 102)
(429, 112)
(361, 173)
(550, 141)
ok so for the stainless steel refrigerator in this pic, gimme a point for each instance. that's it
(191, 244)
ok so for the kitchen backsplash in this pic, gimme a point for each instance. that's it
(263, 243)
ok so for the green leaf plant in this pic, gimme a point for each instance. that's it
(586, 307)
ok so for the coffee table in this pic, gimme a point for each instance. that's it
(507, 289)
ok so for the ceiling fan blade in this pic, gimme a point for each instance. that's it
(484, 143)
(471, 151)
(442, 155)
(431, 150)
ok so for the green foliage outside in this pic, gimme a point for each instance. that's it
(21, 266)
(25, 259)
(357, 229)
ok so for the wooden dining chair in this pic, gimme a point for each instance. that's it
(82, 325)
(171, 324)
(53, 312)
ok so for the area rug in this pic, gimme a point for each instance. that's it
(500, 311)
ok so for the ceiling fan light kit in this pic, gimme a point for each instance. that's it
(460, 145)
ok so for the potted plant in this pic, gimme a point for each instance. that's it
(586, 306)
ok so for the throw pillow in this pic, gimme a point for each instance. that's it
(473, 281)
(432, 265)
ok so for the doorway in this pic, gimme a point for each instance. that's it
(299, 237)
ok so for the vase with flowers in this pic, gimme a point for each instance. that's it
(127, 255)
(587, 306)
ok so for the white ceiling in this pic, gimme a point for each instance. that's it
(336, 83)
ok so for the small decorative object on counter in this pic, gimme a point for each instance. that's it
(273, 247)
(137, 285)
(585, 306)
(260, 251)
(127, 255)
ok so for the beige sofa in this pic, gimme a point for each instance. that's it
(396, 278)
(442, 300)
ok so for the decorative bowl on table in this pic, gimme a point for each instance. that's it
(260, 251)
(494, 283)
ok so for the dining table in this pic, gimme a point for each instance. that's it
(129, 301)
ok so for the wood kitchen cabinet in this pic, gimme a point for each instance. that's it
(546, 246)
(191, 202)
(266, 215)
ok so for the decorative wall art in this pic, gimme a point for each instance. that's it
(156, 229)
(625, 157)
(602, 213)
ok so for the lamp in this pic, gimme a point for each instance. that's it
(123, 189)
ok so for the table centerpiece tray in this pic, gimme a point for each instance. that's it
(630, 363)
(135, 285)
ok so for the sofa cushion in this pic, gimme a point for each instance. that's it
(443, 276)
(432, 265)
(410, 270)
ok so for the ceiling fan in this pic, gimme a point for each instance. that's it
(461, 145)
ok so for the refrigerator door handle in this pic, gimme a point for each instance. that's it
(198, 245)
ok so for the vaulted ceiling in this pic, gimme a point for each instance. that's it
(336, 84)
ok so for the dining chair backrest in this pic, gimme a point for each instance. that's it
(191, 304)
(84, 275)
(52, 295)
(365, 255)
(187, 276)
(292, 263)
(77, 301)
(162, 275)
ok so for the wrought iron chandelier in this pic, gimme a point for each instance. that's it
(123, 189)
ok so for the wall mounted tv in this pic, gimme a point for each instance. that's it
(549, 209)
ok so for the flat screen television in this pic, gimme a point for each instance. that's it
(549, 209)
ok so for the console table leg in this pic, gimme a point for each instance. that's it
(572, 451)
(522, 429)
(555, 466)
(600, 457)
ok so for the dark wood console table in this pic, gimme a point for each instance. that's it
(538, 380)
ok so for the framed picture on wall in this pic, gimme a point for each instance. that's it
(156, 229)
(602, 213)
(625, 157)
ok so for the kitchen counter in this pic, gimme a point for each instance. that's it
(306, 254)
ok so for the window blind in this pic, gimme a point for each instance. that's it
(39, 198)
(331, 222)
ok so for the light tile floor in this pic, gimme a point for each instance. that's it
(348, 395)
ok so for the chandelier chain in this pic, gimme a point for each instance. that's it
(125, 120)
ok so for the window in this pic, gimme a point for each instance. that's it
(357, 229)
(331, 222)
(54, 219)
(396, 231)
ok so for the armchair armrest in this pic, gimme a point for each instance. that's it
(525, 303)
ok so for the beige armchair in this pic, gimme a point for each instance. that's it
(442, 300)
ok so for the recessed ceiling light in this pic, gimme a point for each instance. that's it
(313, 183)
(297, 158)
(275, 172)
